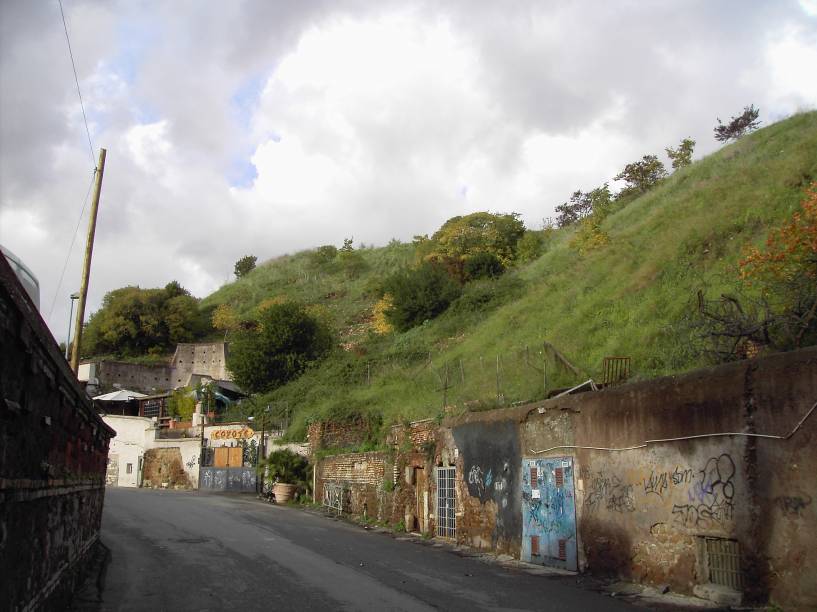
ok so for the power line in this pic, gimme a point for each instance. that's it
(71, 247)
(76, 80)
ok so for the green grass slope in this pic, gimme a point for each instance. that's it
(495, 346)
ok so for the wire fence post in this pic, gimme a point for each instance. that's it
(498, 394)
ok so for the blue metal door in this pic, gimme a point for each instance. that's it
(549, 512)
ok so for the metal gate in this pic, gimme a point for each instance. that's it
(549, 512)
(446, 503)
(238, 479)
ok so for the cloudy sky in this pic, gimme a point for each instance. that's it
(268, 127)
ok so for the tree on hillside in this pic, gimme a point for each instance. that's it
(351, 261)
(583, 204)
(419, 294)
(682, 156)
(134, 321)
(224, 319)
(244, 266)
(642, 175)
(590, 236)
(575, 209)
(738, 126)
(280, 347)
(462, 237)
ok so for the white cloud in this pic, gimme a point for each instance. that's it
(373, 121)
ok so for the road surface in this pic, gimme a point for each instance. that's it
(172, 550)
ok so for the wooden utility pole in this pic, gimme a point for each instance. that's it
(86, 269)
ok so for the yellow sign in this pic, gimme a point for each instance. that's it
(232, 434)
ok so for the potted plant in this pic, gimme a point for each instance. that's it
(287, 470)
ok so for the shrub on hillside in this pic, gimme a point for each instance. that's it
(485, 295)
(322, 256)
(482, 265)
(463, 237)
(530, 246)
(419, 294)
(281, 346)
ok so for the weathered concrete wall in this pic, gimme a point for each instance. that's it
(53, 450)
(644, 513)
(135, 377)
(208, 359)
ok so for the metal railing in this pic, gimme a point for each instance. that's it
(334, 496)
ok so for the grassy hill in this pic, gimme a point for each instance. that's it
(500, 342)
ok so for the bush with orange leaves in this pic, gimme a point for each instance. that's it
(786, 269)
(791, 251)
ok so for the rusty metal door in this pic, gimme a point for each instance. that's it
(549, 512)
(228, 456)
(421, 499)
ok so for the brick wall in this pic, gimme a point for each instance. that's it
(415, 435)
(53, 458)
(362, 473)
(332, 434)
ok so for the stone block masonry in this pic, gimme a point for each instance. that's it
(53, 452)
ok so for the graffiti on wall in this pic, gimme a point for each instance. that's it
(711, 497)
(793, 506)
(657, 483)
(482, 484)
(608, 491)
(701, 499)
(491, 459)
(549, 512)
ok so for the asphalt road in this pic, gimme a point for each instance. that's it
(174, 550)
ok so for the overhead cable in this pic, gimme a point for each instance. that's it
(76, 80)
(694, 437)
(71, 247)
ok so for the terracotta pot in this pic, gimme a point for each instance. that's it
(283, 491)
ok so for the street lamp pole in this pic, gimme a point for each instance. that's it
(74, 296)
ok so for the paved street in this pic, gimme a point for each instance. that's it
(188, 551)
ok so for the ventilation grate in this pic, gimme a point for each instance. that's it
(723, 562)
